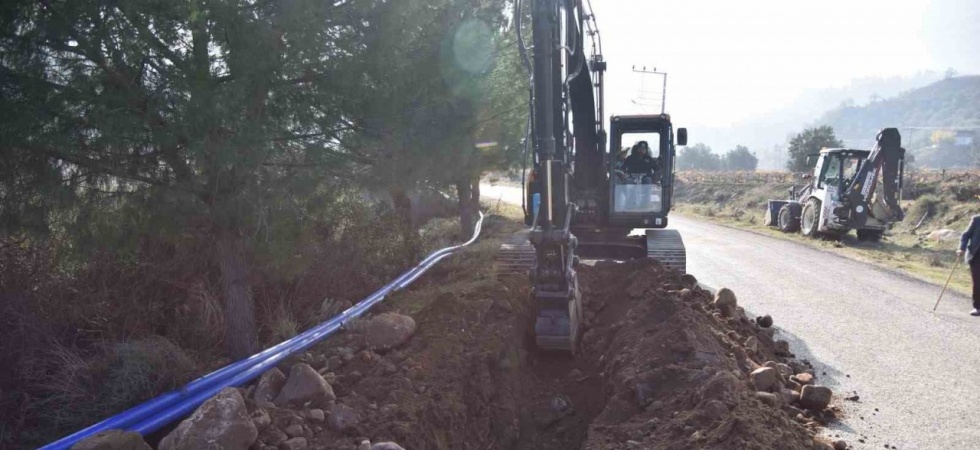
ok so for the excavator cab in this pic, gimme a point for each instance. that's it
(641, 199)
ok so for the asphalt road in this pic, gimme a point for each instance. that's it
(866, 330)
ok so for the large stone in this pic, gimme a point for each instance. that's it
(305, 385)
(764, 321)
(803, 378)
(763, 378)
(342, 417)
(790, 396)
(270, 383)
(768, 398)
(723, 386)
(689, 281)
(112, 440)
(815, 397)
(221, 423)
(317, 415)
(296, 443)
(389, 330)
(386, 446)
(726, 302)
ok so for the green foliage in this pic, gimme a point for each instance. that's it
(698, 157)
(804, 147)
(740, 159)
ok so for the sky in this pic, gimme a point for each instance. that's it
(731, 61)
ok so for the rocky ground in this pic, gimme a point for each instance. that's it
(664, 365)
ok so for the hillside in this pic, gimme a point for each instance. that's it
(953, 102)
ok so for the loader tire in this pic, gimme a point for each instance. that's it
(810, 218)
(788, 221)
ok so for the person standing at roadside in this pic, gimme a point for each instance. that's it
(970, 243)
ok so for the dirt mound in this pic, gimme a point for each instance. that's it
(676, 367)
(661, 367)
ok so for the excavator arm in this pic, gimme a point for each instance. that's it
(887, 160)
(564, 116)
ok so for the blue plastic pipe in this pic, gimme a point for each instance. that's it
(164, 409)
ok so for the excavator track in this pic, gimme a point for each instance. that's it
(667, 247)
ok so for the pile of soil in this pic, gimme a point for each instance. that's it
(662, 366)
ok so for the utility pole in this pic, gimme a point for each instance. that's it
(663, 97)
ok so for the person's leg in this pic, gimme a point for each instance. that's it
(975, 272)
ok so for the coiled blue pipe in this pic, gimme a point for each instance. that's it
(154, 414)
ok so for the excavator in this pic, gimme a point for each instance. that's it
(584, 202)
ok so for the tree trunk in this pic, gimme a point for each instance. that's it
(403, 206)
(468, 200)
(241, 338)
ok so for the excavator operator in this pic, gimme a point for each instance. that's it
(640, 163)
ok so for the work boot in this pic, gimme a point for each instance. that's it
(975, 312)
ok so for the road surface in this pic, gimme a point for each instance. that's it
(866, 330)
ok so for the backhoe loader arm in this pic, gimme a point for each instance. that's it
(887, 159)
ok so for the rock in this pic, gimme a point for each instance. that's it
(797, 366)
(789, 396)
(779, 373)
(112, 440)
(752, 345)
(294, 430)
(689, 281)
(317, 415)
(388, 331)
(793, 411)
(261, 419)
(793, 385)
(726, 302)
(364, 445)
(723, 387)
(785, 370)
(273, 436)
(768, 398)
(222, 422)
(817, 445)
(763, 378)
(803, 378)
(305, 385)
(781, 347)
(296, 443)
(764, 321)
(715, 409)
(815, 397)
(943, 235)
(840, 445)
(386, 446)
(270, 383)
(342, 417)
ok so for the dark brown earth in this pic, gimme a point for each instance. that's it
(660, 367)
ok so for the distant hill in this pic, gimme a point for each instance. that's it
(767, 134)
(953, 102)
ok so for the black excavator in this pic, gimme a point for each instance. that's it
(586, 201)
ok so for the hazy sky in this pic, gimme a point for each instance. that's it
(731, 60)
